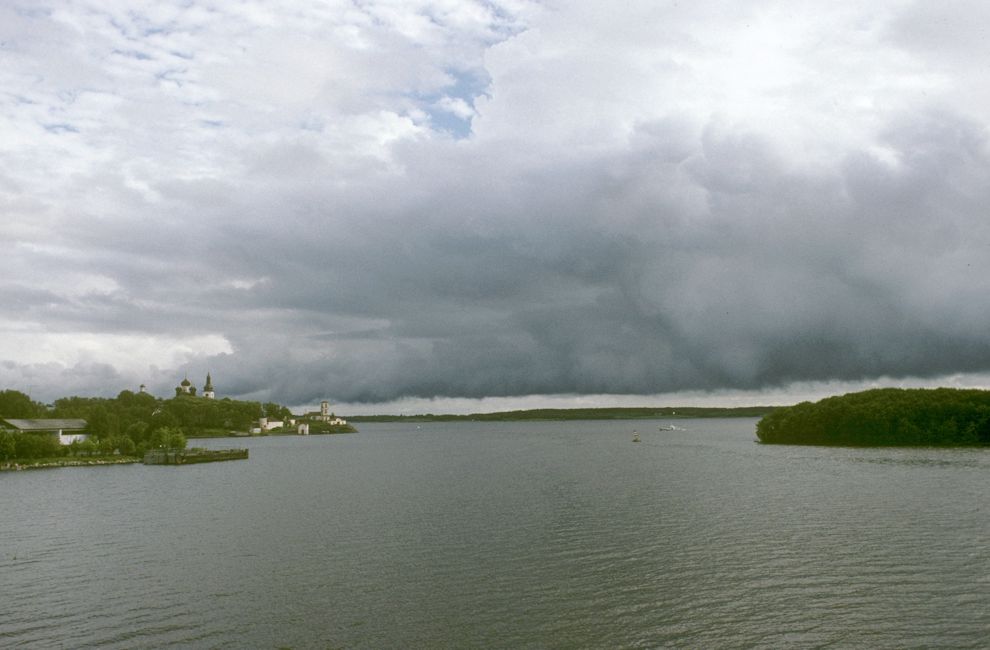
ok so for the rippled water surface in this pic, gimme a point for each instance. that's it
(505, 535)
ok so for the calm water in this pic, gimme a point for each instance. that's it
(518, 535)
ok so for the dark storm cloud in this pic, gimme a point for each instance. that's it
(875, 269)
(716, 205)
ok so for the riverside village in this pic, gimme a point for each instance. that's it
(264, 423)
(138, 426)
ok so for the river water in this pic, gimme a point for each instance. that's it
(505, 535)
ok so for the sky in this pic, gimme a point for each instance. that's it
(459, 205)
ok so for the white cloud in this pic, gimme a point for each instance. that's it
(456, 106)
(131, 354)
(468, 198)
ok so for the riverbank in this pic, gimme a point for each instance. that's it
(153, 457)
(49, 463)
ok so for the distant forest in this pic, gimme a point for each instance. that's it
(884, 417)
(637, 413)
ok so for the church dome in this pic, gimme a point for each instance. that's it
(186, 382)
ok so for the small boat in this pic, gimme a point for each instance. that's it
(635, 437)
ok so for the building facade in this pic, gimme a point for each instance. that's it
(67, 430)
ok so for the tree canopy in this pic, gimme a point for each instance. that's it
(884, 417)
(15, 404)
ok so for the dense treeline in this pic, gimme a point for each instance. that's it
(619, 413)
(15, 404)
(884, 417)
(129, 423)
(14, 444)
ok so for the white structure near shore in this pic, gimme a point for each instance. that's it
(67, 430)
(264, 425)
(326, 416)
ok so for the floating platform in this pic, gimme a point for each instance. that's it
(191, 456)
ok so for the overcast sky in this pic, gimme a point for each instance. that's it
(459, 205)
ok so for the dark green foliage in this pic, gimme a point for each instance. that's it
(275, 411)
(15, 404)
(196, 415)
(125, 445)
(135, 415)
(8, 445)
(884, 417)
(168, 438)
(15, 445)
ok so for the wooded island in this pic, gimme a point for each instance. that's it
(887, 417)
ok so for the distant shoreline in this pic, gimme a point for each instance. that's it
(619, 413)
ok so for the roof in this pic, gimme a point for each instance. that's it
(46, 425)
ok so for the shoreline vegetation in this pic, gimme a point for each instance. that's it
(885, 417)
(48, 463)
(618, 413)
(123, 429)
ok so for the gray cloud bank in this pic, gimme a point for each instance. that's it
(614, 223)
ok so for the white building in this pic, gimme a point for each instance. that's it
(264, 424)
(327, 416)
(67, 430)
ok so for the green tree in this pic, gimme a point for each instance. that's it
(15, 404)
(168, 438)
(36, 445)
(275, 411)
(137, 432)
(126, 446)
(8, 447)
(87, 447)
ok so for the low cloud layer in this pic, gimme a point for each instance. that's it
(476, 200)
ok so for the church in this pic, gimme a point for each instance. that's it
(186, 388)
